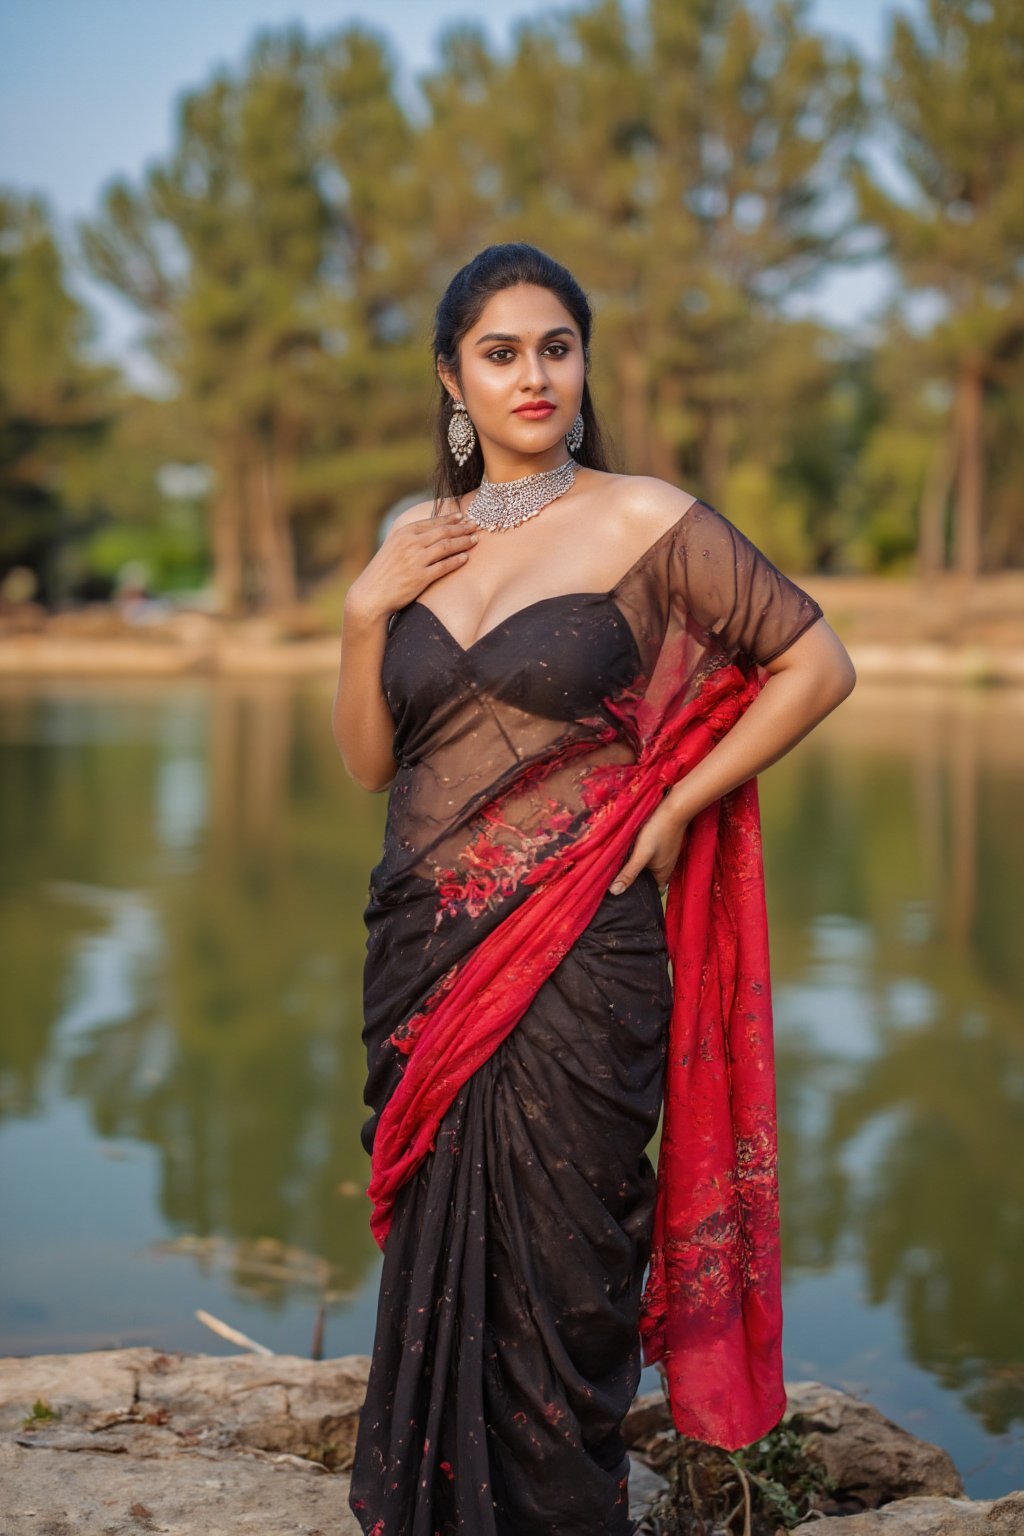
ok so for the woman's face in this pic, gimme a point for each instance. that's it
(524, 351)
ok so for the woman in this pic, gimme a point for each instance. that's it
(571, 722)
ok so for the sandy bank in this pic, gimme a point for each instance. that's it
(943, 629)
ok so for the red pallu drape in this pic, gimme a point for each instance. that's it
(712, 1307)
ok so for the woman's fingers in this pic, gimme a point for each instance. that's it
(626, 875)
(451, 547)
(657, 849)
(448, 540)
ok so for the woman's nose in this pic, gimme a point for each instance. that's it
(534, 373)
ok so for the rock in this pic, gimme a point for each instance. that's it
(888, 1481)
(193, 1493)
(269, 1402)
(191, 1445)
(928, 1517)
(253, 1445)
(648, 1415)
(871, 1459)
(102, 1381)
(645, 1485)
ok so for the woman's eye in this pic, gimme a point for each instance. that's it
(499, 354)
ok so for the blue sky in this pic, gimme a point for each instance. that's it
(88, 90)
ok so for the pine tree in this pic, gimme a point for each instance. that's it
(56, 406)
(954, 89)
(222, 250)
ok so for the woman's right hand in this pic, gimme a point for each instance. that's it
(413, 555)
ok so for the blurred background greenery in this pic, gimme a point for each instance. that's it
(698, 165)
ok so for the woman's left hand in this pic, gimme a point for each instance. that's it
(657, 847)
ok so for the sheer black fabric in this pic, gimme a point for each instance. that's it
(507, 1351)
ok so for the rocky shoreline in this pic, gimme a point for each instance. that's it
(120, 1441)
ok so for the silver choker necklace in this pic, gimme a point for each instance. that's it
(500, 504)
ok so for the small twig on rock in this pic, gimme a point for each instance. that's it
(694, 1501)
(227, 1332)
(317, 1351)
(746, 1500)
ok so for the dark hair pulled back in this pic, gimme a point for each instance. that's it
(493, 269)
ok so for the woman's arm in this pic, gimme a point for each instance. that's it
(418, 549)
(808, 680)
(361, 720)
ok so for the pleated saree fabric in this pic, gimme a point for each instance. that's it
(524, 1030)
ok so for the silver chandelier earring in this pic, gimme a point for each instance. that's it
(461, 436)
(574, 436)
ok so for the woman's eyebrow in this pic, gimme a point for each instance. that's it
(557, 330)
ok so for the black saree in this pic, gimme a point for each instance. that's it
(519, 1022)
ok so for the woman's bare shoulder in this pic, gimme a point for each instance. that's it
(645, 496)
(644, 505)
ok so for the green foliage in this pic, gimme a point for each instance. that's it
(289, 252)
(55, 406)
(770, 1484)
(683, 160)
(41, 1413)
(174, 551)
(954, 93)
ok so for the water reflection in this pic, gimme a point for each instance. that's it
(181, 1067)
(901, 1056)
(182, 923)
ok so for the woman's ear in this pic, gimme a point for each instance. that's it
(449, 381)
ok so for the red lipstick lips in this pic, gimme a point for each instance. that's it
(536, 408)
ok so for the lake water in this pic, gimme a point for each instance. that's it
(182, 880)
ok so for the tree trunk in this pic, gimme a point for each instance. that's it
(931, 521)
(970, 471)
(226, 532)
(1000, 547)
(272, 539)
